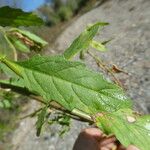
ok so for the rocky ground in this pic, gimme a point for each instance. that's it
(129, 30)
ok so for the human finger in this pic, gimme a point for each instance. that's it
(107, 140)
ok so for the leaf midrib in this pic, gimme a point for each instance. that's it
(64, 79)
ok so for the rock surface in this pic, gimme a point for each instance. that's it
(129, 30)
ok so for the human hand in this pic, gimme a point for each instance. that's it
(94, 139)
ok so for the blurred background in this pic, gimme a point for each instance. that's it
(129, 31)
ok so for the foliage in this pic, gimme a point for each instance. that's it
(71, 84)
(73, 4)
(72, 88)
(60, 11)
(53, 19)
(65, 13)
(16, 17)
(25, 41)
(13, 40)
(81, 43)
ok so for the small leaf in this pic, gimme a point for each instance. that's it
(129, 127)
(25, 41)
(16, 17)
(30, 36)
(19, 45)
(6, 48)
(40, 121)
(98, 46)
(83, 40)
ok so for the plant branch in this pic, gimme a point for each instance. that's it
(75, 114)
(31, 114)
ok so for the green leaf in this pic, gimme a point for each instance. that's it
(70, 84)
(129, 127)
(16, 17)
(25, 41)
(83, 40)
(31, 36)
(98, 46)
(19, 45)
(6, 48)
(40, 121)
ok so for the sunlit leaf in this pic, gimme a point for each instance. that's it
(70, 84)
(83, 41)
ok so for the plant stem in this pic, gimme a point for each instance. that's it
(31, 114)
(75, 113)
(81, 114)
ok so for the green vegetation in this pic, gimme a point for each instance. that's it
(15, 43)
(17, 18)
(60, 11)
(14, 39)
(72, 90)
